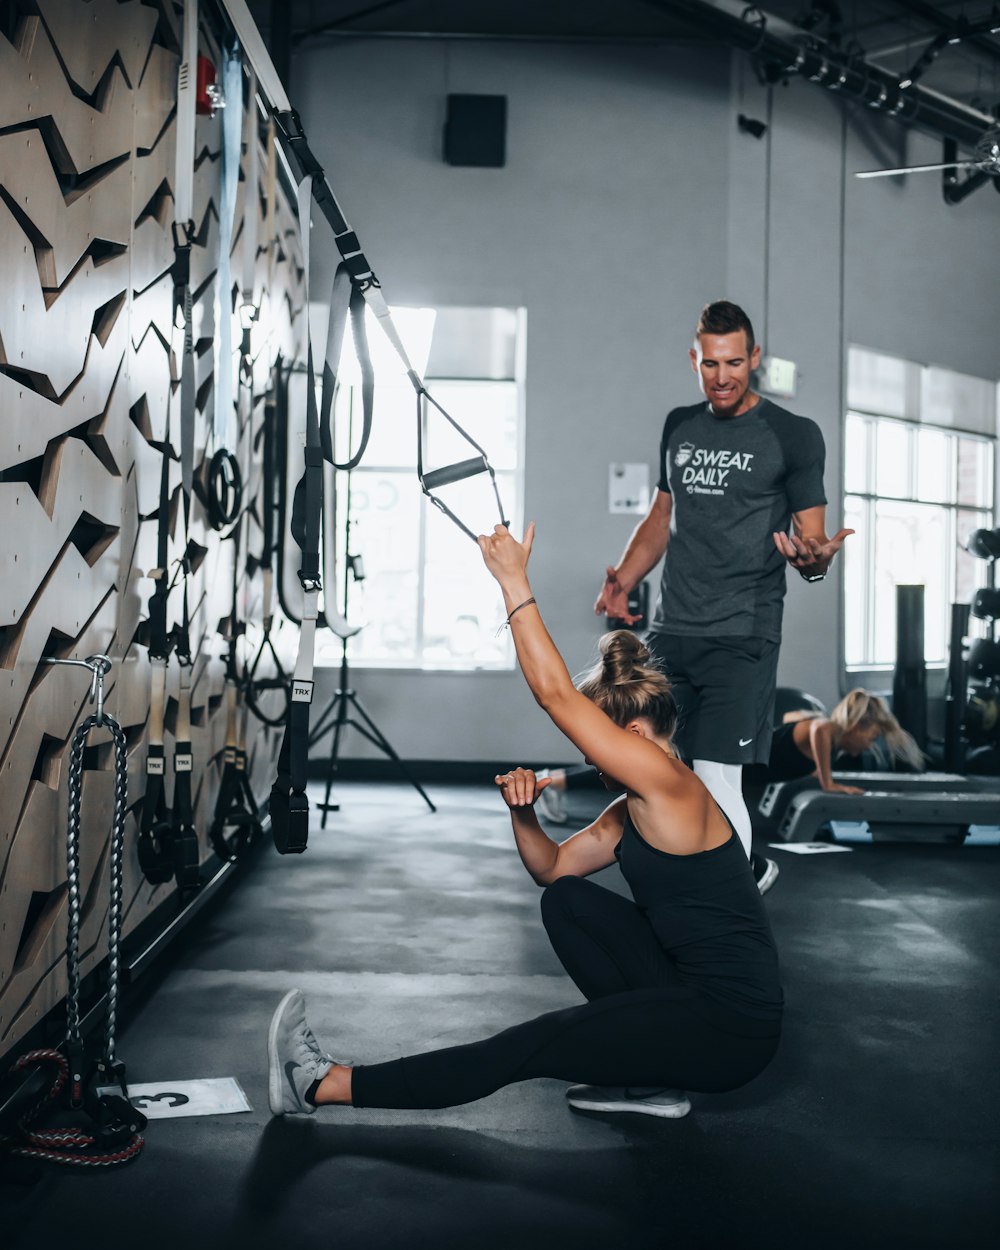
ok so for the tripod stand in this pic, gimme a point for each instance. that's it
(338, 712)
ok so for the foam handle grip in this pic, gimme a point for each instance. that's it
(455, 472)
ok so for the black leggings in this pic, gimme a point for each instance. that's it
(641, 1025)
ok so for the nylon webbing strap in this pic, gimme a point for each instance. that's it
(185, 836)
(364, 280)
(155, 831)
(289, 804)
(236, 820)
(348, 244)
(232, 129)
(248, 305)
(184, 232)
(267, 502)
(187, 85)
(346, 299)
(270, 188)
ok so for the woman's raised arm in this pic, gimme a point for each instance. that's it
(632, 760)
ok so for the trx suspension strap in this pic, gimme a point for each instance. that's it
(363, 277)
(168, 845)
(256, 685)
(289, 804)
(358, 266)
(232, 87)
(185, 836)
(235, 807)
(155, 829)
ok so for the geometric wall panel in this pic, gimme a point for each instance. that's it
(89, 363)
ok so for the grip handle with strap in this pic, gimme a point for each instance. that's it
(454, 472)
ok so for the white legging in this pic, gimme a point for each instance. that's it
(725, 784)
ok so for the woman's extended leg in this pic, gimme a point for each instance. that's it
(648, 1037)
(603, 941)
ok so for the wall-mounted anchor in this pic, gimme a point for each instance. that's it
(98, 666)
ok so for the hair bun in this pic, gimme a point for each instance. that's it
(624, 655)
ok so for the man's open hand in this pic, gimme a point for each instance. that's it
(810, 556)
(613, 600)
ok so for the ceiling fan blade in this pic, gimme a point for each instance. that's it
(914, 169)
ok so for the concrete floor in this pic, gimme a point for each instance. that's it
(874, 1127)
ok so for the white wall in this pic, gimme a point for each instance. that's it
(629, 199)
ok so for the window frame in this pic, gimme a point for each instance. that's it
(870, 497)
(511, 486)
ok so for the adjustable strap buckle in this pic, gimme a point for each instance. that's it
(180, 271)
(289, 820)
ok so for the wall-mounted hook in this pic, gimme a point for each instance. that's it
(98, 666)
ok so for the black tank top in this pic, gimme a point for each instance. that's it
(708, 915)
(786, 761)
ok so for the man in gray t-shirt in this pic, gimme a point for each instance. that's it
(736, 475)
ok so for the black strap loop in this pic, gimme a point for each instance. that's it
(223, 489)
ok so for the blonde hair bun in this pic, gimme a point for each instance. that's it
(624, 656)
(626, 683)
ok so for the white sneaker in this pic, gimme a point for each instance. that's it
(551, 804)
(294, 1058)
(669, 1104)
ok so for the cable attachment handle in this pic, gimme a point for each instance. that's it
(451, 473)
(99, 666)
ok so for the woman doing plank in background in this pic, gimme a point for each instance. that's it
(807, 741)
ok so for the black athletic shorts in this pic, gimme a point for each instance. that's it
(724, 690)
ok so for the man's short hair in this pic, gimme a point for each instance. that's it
(723, 317)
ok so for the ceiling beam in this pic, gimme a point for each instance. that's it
(785, 54)
(941, 21)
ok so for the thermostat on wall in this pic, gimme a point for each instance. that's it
(628, 487)
(777, 376)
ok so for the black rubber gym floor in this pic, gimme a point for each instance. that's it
(876, 1125)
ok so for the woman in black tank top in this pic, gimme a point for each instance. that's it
(681, 982)
(806, 742)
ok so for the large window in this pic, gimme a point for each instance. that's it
(919, 459)
(426, 599)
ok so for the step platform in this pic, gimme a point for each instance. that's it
(903, 815)
(777, 797)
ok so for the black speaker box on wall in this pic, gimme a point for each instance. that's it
(475, 131)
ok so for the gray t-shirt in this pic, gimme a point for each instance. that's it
(735, 481)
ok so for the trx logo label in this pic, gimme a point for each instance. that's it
(154, 766)
(182, 763)
(302, 692)
(709, 472)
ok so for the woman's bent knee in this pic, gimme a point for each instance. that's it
(559, 895)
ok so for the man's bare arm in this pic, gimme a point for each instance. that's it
(644, 550)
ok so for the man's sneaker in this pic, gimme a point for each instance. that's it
(551, 803)
(669, 1104)
(765, 871)
(294, 1058)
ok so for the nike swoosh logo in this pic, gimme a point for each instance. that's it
(290, 1068)
(745, 742)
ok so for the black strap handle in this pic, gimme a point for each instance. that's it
(455, 472)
